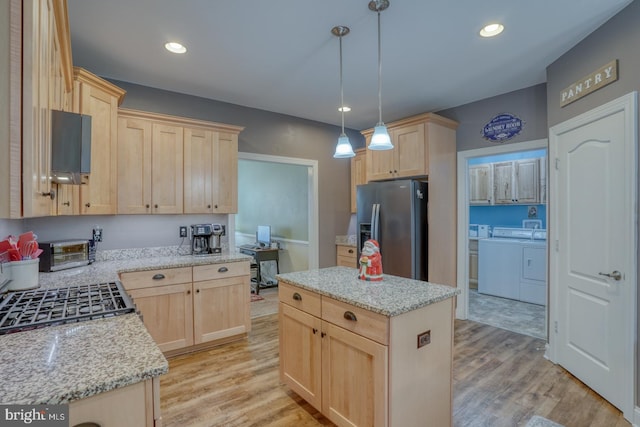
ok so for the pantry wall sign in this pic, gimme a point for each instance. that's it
(603, 76)
(502, 128)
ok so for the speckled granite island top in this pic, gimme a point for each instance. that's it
(391, 297)
(59, 364)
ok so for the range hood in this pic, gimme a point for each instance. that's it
(70, 147)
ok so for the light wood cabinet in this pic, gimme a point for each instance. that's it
(135, 405)
(45, 66)
(149, 166)
(346, 256)
(481, 184)
(358, 174)
(210, 171)
(425, 147)
(188, 307)
(361, 368)
(516, 181)
(408, 158)
(173, 165)
(99, 99)
(473, 263)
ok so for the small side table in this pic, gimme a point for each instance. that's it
(260, 255)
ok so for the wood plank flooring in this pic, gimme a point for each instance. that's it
(500, 379)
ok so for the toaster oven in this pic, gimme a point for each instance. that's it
(63, 254)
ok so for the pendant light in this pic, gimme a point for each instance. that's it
(343, 149)
(380, 139)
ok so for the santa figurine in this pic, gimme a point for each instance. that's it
(370, 261)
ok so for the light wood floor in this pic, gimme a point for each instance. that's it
(500, 379)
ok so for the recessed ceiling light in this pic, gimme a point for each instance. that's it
(175, 47)
(491, 30)
(344, 108)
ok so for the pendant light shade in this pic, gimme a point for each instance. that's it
(380, 139)
(343, 149)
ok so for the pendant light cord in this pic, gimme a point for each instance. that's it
(379, 74)
(341, 90)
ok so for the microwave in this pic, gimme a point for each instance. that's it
(63, 254)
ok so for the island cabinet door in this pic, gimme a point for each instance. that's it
(300, 354)
(354, 378)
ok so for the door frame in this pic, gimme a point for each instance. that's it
(462, 308)
(628, 104)
(312, 183)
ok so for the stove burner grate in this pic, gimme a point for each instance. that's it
(25, 310)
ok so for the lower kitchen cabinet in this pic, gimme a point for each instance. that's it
(187, 308)
(136, 405)
(346, 256)
(361, 368)
(473, 263)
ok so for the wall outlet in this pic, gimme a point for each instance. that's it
(183, 231)
(97, 234)
(424, 338)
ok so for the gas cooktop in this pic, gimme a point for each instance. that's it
(25, 310)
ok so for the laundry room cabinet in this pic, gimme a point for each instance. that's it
(516, 182)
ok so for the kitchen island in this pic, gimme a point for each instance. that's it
(368, 353)
(105, 369)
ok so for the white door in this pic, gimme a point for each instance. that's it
(593, 232)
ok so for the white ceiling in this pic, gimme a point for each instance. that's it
(280, 55)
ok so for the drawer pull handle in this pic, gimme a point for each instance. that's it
(350, 316)
(297, 297)
(350, 251)
(158, 276)
(223, 270)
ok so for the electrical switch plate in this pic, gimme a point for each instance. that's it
(424, 338)
(97, 234)
(183, 231)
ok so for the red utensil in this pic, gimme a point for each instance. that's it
(14, 254)
(5, 245)
(24, 238)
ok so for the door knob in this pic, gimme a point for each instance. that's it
(615, 275)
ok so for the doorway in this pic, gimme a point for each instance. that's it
(292, 249)
(494, 308)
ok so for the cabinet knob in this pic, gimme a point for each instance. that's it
(350, 316)
(147, 206)
(197, 291)
(297, 296)
(51, 194)
(208, 206)
(215, 206)
(156, 206)
(323, 334)
(350, 251)
(189, 292)
(67, 203)
(314, 331)
(158, 276)
(88, 205)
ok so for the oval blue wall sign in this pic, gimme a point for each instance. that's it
(502, 128)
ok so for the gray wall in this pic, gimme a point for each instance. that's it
(619, 39)
(529, 104)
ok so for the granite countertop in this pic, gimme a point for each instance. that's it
(346, 240)
(59, 364)
(390, 297)
(108, 270)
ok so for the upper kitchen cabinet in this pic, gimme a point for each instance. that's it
(99, 99)
(174, 165)
(37, 55)
(516, 181)
(211, 169)
(481, 184)
(414, 139)
(149, 164)
(358, 174)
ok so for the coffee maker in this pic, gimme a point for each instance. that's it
(205, 239)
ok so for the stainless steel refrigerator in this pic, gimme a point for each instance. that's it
(395, 214)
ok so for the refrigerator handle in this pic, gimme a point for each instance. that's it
(375, 222)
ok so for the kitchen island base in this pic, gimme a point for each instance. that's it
(362, 367)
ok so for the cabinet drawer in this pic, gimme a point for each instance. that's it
(220, 271)
(151, 278)
(346, 251)
(299, 298)
(367, 323)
